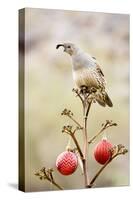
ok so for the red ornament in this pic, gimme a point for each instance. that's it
(67, 162)
(101, 151)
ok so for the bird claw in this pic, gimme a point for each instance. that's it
(84, 90)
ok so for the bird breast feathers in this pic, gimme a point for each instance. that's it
(88, 77)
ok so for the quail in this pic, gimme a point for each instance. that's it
(87, 72)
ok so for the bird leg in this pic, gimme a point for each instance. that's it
(92, 95)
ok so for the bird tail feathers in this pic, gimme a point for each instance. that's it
(104, 100)
(108, 100)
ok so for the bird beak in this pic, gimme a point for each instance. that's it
(60, 45)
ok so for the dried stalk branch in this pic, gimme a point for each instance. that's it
(84, 95)
(87, 97)
(104, 126)
(78, 94)
(70, 115)
(76, 122)
(115, 151)
(47, 174)
(85, 161)
(68, 130)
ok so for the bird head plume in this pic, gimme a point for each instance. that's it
(69, 48)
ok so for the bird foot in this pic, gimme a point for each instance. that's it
(92, 90)
(84, 90)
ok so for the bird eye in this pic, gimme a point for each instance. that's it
(68, 47)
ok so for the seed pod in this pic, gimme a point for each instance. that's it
(67, 162)
(102, 151)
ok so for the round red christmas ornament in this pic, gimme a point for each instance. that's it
(67, 163)
(101, 151)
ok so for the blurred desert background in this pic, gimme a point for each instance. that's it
(48, 90)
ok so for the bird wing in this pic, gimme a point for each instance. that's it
(93, 57)
(98, 68)
(101, 75)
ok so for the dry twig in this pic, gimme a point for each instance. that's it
(107, 124)
(115, 151)
(87, 97)
(47, 174)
